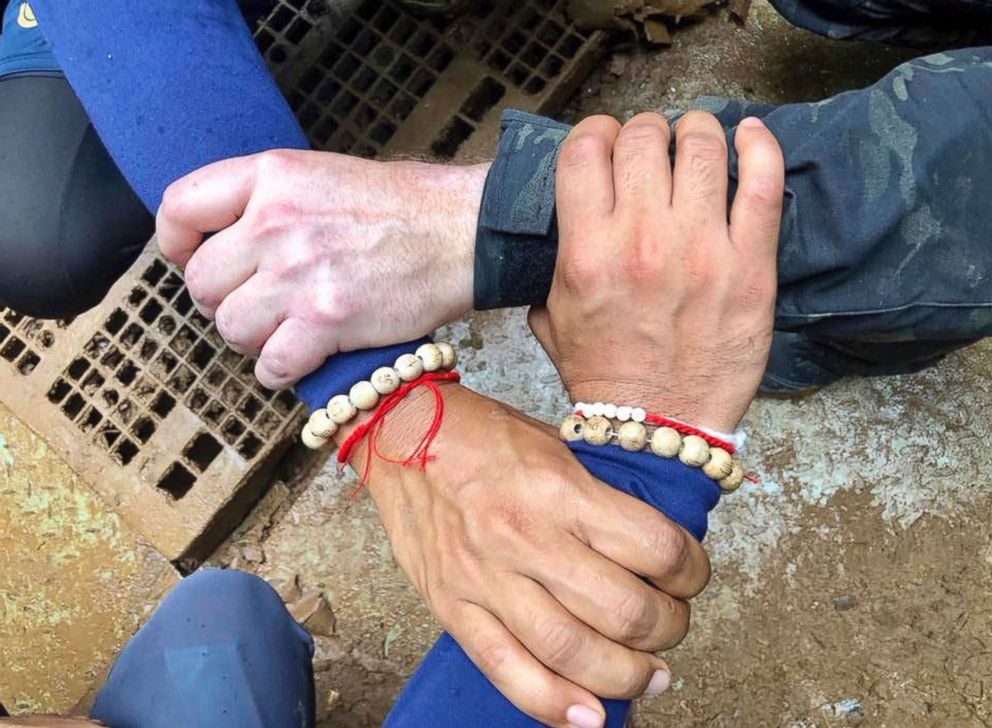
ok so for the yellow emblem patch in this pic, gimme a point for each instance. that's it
(25, 17)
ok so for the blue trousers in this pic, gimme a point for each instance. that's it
(220, 652)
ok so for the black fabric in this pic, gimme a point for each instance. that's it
(3, 712)
(69, 223)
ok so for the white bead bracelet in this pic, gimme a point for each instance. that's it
(365, 395)
(665, 442)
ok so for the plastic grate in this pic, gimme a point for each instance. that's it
(143, 398)
(140, 395)
(355, 79)
(24, 340)
(156, 350)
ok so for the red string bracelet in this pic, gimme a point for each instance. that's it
(690, 430)
(373, 427)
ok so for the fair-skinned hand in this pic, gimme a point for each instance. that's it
(315, 253)
(529, 562)
(657, 300)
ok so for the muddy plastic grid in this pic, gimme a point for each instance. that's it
(146, 402)
(382, 80)
(24, 340)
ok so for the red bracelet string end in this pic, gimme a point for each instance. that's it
(373, 427)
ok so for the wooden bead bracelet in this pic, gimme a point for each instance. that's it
(365, 395)
(665, 442)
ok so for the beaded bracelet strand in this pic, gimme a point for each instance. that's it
(731, 443)
(717, 463)
(365, 395)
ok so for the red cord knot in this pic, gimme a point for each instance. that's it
(373, 427)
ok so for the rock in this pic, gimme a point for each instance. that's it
(314, 612)
(286, 583)
(845, 602)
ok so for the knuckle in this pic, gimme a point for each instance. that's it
(581, 271)
(581, 150)
(197, 283)
(697, 119)
(275, 161)
(172, 199)
(640, 134)
(668, 546)
(492, 655)
(332, 309)
(273, 218)
(226, 320)
(561, 644)
(763, 191)
(512, 521)
(274, 368)
(756, 292)
(677, 621)
(703, 147)
(635, 618)
(701, 270)
(632, 680)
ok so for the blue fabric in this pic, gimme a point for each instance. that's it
(169, 86)
(341, 371)
(172, 90)
(23, 48)
(220, 652)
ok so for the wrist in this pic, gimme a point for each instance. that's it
(657, 399)
(453, 207)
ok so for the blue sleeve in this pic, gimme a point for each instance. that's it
(172, 87)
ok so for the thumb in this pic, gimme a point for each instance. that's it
(540, 324)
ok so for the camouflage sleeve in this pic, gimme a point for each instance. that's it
(884, 226)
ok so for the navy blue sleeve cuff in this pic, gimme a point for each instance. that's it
(337, 374)
(517, 238)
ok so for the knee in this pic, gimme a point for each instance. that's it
(54, 267)
(34, 279)
(234, 590)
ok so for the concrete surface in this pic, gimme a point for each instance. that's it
(75, 582)
(851, 585)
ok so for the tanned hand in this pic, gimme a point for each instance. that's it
(659, 298)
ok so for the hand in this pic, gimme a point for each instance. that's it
(657, 301)
(316, 253)
(530, 562)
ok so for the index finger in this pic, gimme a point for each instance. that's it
(205, 201)
(645, 541)
(584, 182)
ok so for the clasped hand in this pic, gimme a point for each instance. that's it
(558, 587)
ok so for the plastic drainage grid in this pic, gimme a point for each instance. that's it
(144, 400)
(140, 395)
(378, 79)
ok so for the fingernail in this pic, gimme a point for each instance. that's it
(582, 716)
(752, 122)
(659, 683)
